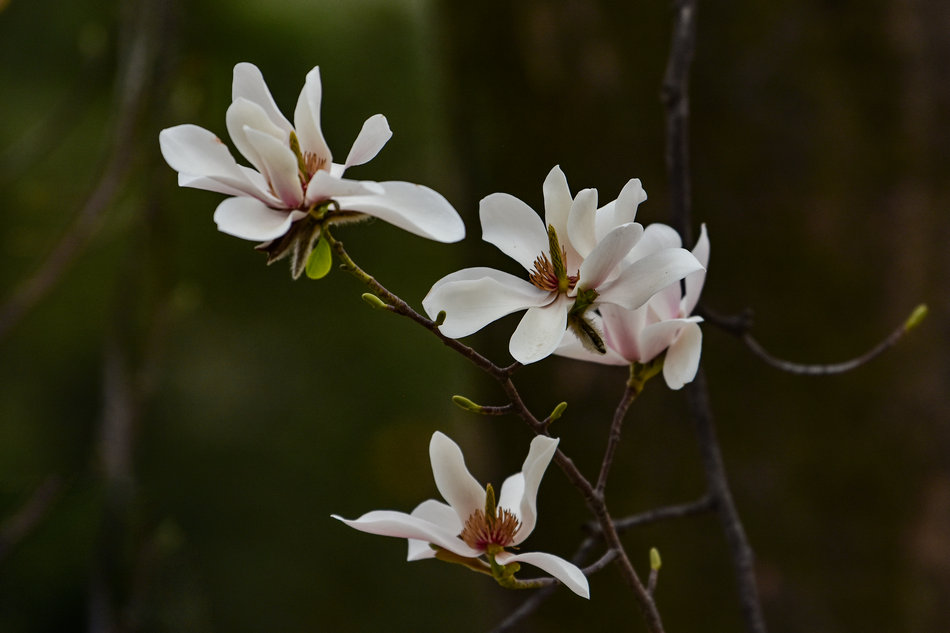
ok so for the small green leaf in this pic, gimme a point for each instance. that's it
(918, 315)
(655, 561)
(320, 260)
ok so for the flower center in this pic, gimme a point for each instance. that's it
(550, 272)
(312, 164)
(480, 531)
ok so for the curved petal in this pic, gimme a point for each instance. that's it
(621, 210)
(455, 483)
(580, 223)
(251, 219)
(682, 359)
(557, 200)
(204, 162)
(656, 237)
(249, 84)
(571, 347)
(474, 297)
(413, 208)
(519, 492)
(695, 281)
(643, 278)
(657, 337)
(603, 260)
(325, 185)
(245, 113)
(514, 228)
(539, 332)
(307, 119)
(402, 525)
(279, 166)
(568, 573)
(623, 329)
(373, 135)
(434, 512)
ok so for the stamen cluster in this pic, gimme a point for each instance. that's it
(480, 530)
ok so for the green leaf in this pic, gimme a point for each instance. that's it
(320, 260)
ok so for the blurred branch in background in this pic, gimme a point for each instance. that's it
(18, 526)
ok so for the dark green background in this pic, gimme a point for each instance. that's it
(257, 406)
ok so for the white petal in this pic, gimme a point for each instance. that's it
(413, 208)
(657, 337)
(324, 185)
(249, 84)
(656, 237)
(279, 166)
(571, 347)
(204, 162)
(557, 200)
(621, 210)
(568, 573)
(244, 113)
(307, 118)
(602, 262)
(402, 525)
(580, 223)
(474, 297)
(513, 227)
(643, 278)
(695, 281)
(455, 483)
(539, 332)
(373, 135)
(519, 492)
(434, 512)
(682, 359)
(251, 219)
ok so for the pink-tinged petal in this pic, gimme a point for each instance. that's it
(622, 331)
(695, 281)
(656, 237)
(373, 135)
(434, 512)
(474, 297)
(580, 223)
(514, 228)
(413, 208)
(249, 84)
(204, 162)
(571, 347)
(557, 200)
(278, 165)
(657, 337)
(568, 573)
(244, 113)
(682, 358)
(324, 186)
(645, 277)
(307, 118)
(519, 492)
(251, 219)
(455, 483)
(539, 332)
(603, 260)
(402, 525)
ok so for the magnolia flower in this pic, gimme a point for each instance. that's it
(576, 259)
(662, 324)
(295, 187)
(472, 527)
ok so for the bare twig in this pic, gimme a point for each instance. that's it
(613, 437)
(676, 100)
(705, 504)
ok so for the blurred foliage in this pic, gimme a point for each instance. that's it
(255, 406)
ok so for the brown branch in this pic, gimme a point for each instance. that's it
(676, 101)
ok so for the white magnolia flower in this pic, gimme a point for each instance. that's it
(662, 324)
(294, 184)
(472, 526)
(577, 258)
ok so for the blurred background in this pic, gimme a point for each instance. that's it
(178, 420)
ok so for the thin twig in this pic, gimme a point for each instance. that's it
(613, 437)
(595, 501)
(705, 504)
(676, 100)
